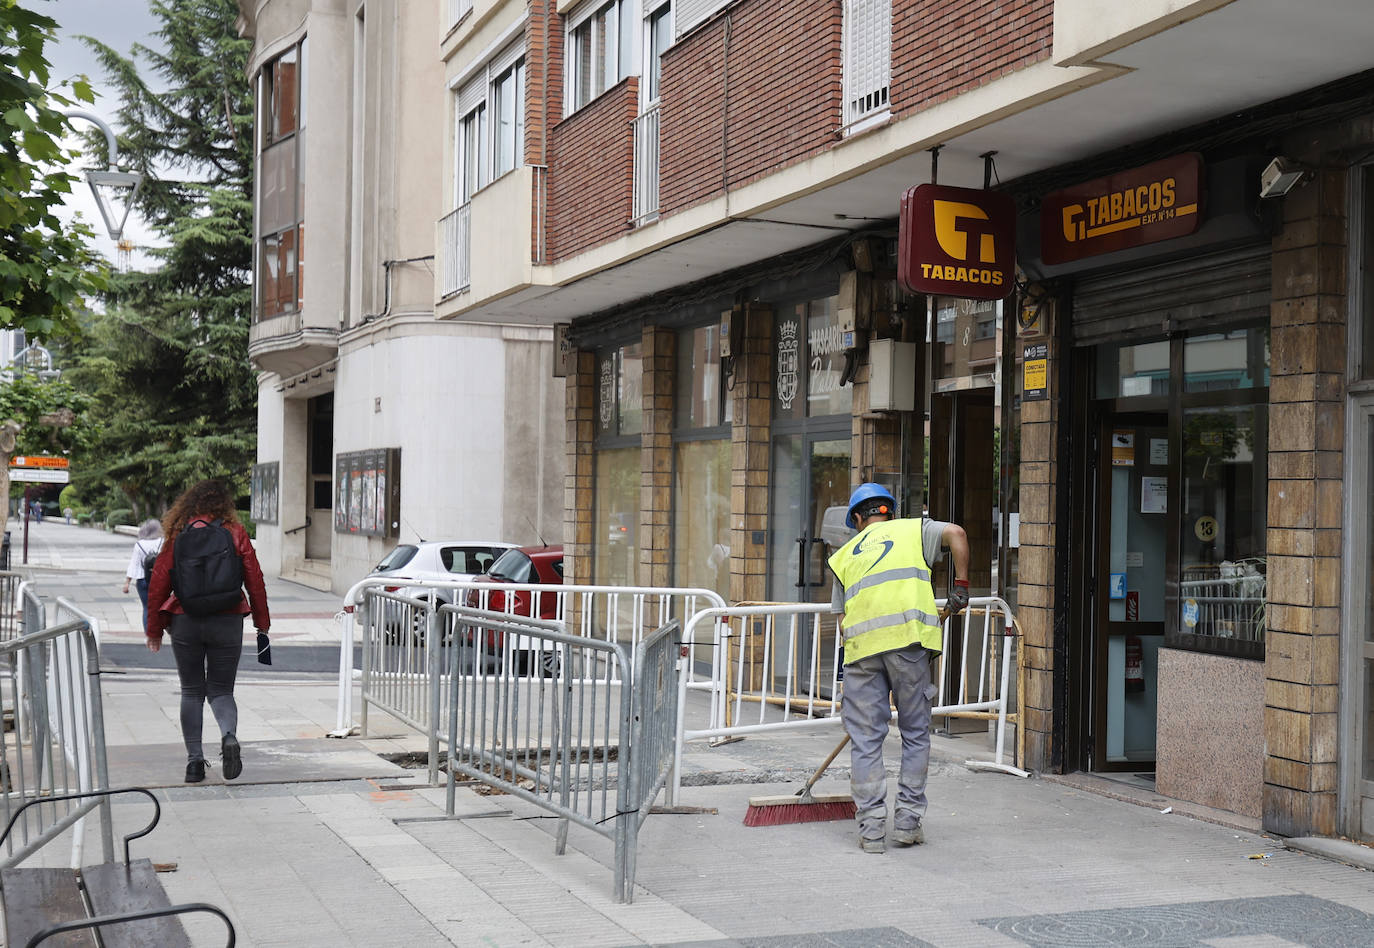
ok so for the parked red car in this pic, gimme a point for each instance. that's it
(525, 564)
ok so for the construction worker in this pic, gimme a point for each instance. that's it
(891, 630)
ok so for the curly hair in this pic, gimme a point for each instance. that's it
(205, 499)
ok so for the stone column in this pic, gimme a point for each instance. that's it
(579, 492)
(1306, 430)
(656, 468)
(749, 455)
(1040, 470)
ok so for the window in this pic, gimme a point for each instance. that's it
(508, 106)
(1364, 274)
(867, 58)
(280, 256)
(489, 129)
(809, 362)
(701, 463)
(658, 35)
(601, 46)
(620, 392)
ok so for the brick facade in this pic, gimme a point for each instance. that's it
(746, 95)
(948, 47)
(591, 173)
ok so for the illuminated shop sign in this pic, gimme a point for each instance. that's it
(957, 242)
(1156, 202)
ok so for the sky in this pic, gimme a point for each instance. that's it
(119, 24)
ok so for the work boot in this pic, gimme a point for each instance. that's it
(195, 771)
(909, 836)
(872, 845)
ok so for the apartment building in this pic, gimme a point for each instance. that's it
(377, 423)
(1160, 437)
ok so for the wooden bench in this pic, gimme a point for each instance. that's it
(115, 904)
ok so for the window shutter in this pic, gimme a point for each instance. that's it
(687, 14)
(506, 58)
(867, 57)
(472, 94)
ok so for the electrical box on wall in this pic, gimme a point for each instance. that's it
(891, 375)
(730, 327)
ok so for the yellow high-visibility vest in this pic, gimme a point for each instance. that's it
(888, 600)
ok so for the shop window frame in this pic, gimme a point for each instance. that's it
(720, 430)
(1175, 403)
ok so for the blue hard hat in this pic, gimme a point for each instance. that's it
(864, 493)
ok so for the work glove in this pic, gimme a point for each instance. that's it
(958, 597)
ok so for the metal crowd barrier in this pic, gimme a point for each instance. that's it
(51, 683)
(11, 615)
(392, 619)
(777, 667)
(590, 739)
(1228, 607)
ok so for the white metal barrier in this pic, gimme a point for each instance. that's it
(778, 667)
(50, 677)
(392, 621)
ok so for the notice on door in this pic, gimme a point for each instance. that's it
(1154, 495)
(1123, 449)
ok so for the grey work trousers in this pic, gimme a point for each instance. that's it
(905, 674)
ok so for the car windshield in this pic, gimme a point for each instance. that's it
(397, 558)
(514, 567)
(467, 559)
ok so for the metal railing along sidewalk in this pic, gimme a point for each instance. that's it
(777, 667)
(51, 681)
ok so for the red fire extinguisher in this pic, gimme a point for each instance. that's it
(1135, 664)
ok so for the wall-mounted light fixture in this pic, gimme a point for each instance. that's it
(1281, 176)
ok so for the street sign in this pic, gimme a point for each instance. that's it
(40, 475)
(39, 460)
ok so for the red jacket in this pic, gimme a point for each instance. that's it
(160, 586)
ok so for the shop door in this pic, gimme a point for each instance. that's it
(1360, 689)
(810, 497)
(319, 487)
(1129, 590)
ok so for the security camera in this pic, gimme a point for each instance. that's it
(1281, 176)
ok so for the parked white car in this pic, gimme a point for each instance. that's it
(440, 560)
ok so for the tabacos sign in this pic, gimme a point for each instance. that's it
(1158, 201)
(957, 242)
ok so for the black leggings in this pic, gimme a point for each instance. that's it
(207, 650)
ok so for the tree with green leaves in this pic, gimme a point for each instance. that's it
(46, 267)
(168, 359)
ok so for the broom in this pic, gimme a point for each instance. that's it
(804, 806)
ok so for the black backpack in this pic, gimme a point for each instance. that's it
(207, 574)
(148, 560)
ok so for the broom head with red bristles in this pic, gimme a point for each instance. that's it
(799, 808)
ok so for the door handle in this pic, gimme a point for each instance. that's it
(814, 541)
(801, 563)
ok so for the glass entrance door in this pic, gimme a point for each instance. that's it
(1360, 648)
(810, 497)
(1130, 594)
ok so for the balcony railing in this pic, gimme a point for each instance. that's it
(455, 251)
(646, 167)
(457, 9)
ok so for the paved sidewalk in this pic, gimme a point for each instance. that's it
(327, 842)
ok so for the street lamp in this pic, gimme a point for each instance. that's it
(24, 359)
(108, 185)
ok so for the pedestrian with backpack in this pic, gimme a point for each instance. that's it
(146, 548)
(197, 591)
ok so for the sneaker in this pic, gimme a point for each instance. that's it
(912, 836)
(195, 771)
(872, 845)
(233, 763)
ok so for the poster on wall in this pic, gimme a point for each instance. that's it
(367, 486)
(263, 492)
